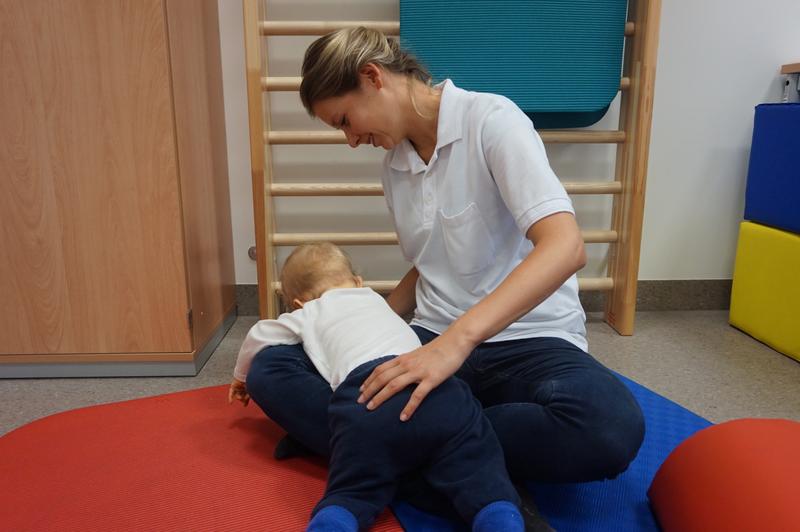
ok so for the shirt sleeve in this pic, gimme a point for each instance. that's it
(518, 164)
(286, 330)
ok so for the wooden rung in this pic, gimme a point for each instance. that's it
(585, 283)
(323, 189)
(304, 137)
(595, 283)
(375, 189)
(321, 27)
(383, 287)
(273, 83)
(599, 236)
(292, 83)
(367, 239)
(630, 29)
(792, 68)
(341, 239)
(551, 136)
(601, 187)
(556, 136)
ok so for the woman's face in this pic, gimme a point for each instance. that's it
(367, 115)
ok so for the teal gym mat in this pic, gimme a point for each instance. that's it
(559, 61)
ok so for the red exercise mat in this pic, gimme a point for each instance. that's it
(184, 461)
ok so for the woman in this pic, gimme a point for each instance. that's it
(495, 247)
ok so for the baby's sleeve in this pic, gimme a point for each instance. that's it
(286, 330)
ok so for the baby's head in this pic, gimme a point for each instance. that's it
(312, 269)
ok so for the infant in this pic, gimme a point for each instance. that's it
(347, 330)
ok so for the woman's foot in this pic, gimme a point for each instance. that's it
(288, 447)
(333, 519)
(500, 515)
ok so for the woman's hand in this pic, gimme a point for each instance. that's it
(428, 366)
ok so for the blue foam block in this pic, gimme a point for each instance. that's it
(773, 179)
(620, 504)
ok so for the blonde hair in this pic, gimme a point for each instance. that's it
(311, 269)
(332, 62)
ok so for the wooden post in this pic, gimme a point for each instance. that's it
(260, 161)
(636, 112)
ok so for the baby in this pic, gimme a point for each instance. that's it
(347, 331)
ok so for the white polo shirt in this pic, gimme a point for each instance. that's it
(462, 218)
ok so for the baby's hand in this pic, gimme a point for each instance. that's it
(238, 391)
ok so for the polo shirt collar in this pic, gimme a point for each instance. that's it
(405, 158)
(450, 115)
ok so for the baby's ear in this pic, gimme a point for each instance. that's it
(296, 304)
(359, 281)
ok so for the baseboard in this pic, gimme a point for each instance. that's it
(185, 368)
(701, 294)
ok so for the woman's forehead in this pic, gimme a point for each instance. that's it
(330, 110)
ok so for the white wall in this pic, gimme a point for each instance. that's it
(717, 59)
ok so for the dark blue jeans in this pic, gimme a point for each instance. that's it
(448, 440)
(560, 415)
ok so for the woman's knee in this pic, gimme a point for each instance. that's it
(618, 439)
(611, 427)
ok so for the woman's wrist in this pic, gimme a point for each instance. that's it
(457, 338)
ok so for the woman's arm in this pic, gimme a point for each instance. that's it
(558, 253)
(403, 298)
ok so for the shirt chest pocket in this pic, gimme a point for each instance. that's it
(467, 240)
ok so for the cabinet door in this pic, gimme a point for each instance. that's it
(193, 27)
(91, 251)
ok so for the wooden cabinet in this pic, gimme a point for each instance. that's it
(115, 233)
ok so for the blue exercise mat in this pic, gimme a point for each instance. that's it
(560, 62)
(773, 178)
(620, 504)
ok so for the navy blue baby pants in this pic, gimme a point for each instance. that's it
(448, 439)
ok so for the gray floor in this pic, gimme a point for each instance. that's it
(694, 358)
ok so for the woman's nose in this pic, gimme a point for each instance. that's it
(352, 139)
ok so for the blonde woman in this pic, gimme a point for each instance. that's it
(494, 245)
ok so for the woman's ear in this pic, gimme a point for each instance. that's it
(372, 74)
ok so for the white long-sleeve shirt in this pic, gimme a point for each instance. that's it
(340, 330)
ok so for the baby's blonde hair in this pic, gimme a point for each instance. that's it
(332, 62)
(311, 269)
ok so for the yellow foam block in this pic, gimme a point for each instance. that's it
(765, 300)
